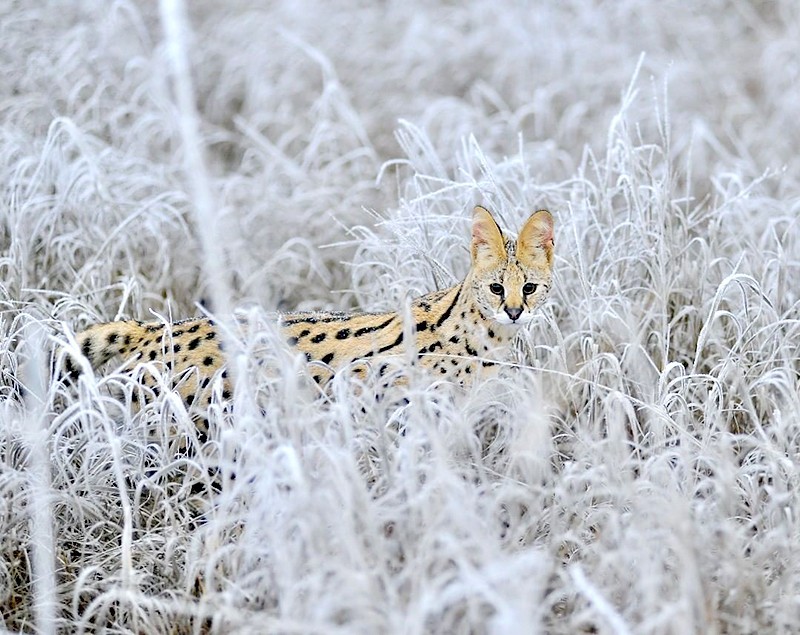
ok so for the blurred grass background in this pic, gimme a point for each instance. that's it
(638, 474)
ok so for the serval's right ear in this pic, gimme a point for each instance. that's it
(488, 246)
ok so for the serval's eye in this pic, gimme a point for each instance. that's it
(529, 288)
(496, 288)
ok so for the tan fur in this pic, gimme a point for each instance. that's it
(457, 332)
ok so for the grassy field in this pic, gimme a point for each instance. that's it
(637, 471)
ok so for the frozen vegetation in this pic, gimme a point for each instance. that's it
(637, 472)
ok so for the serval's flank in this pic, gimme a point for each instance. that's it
(458, 332)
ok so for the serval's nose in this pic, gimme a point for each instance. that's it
(514, 312)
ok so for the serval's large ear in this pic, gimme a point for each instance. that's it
(535, 242)
(488, 246)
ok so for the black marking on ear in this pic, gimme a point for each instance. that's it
(327, 359)
(208, 360)
(443, 317)
(343, 334)
(318, 337)
(194, 344)
(371, 329)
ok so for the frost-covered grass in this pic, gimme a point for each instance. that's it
(638, 472)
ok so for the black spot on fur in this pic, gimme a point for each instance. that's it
(226, 394)
(156, 390)
(127, 340)
(211, 335)
(443, 317)
(343, 334)
(317, 378)
(328, 358)
(425, 306)
(176, 348)
(455, 339)
(434, 346)
(152, 355)
(194, 343)
(383, 349)
(87, 347)
(467, 370)
(112, 338)
(485, 363)
(308, 357)
(204, 383)
(443, 370)
(193, 329)
(318, 338)
(208, 361)
(292, 341)
(304, 332)
(470, 351)
(154, 327)
(423, 350)
(371, 329)
(189, 399)
(177, 333)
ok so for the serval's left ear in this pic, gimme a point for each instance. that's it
(488, 246)
(535, 242)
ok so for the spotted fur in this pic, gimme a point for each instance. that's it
(457, 332)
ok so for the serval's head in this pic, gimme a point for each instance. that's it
(511, 278)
